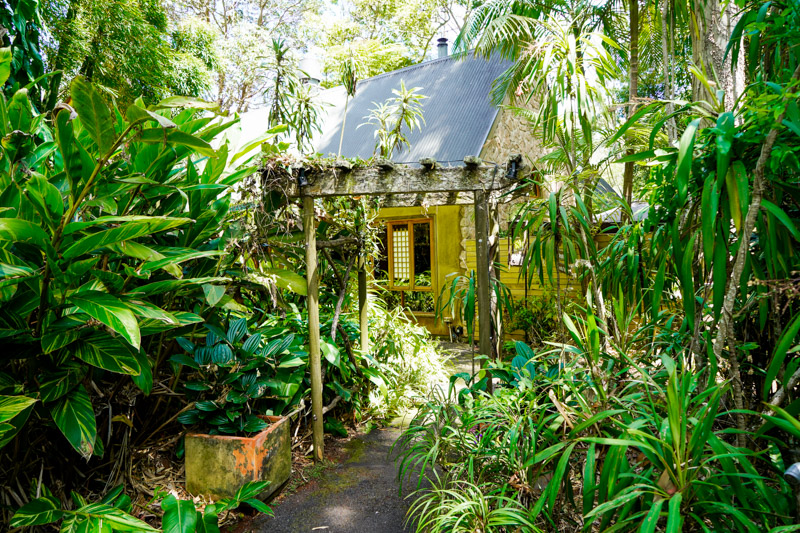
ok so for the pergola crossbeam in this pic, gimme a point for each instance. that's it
(384, 180)
(474, 181)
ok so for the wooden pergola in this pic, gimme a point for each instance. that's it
(429, 184)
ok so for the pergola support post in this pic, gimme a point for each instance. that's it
(363, 319)
(312, 300)
(484, 291)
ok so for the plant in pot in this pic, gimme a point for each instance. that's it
(234, 437)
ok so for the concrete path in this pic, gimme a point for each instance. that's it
(359, 495)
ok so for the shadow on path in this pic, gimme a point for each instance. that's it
(359, 495)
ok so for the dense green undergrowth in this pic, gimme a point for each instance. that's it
(143, 286)
(673, 406)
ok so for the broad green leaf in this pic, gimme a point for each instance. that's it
(53, 204)
(5, 65)
(160, 287)
(145, 379)
(44, 510)
(14, 274)
(674, 517)
(331, 353)
(74, 416)
(214, 293)
(177, 259)
(175, 136)
(118, 519)
(110, 311)
(107, 352)
(18, 230)
(123, 232)
(94, 114)
(209, 522)
(685, 156)
(11, 406)
(736, 187)
(285, 279)
(147, 310)
(19, 111)
(56, 384)
(11, 427)
(74, 227)
(64, 136)
(651, 520)
(140, 251)
(136, 113)
(255, 143)
(173, 102)
(180, 516)
(708, 214)
(784, 219)
(788, 337)
(726, 128)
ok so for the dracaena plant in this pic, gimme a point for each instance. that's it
(238, 375)
(113, 512)
(111, 229)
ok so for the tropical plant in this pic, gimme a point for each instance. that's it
(23, 26)
(304, 118)
(95, 277)
(284, 84)
(112, 512)
(537, 316)
(239, 376)
(348, 75)
(390, 117)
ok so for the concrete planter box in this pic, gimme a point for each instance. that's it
(218, 465)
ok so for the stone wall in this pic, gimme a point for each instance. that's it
(511, 134)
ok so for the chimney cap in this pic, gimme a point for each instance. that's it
(442, 47)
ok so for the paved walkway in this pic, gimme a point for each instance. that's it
(358, 496)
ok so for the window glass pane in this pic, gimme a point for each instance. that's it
(401, 252)
(422, 254)
(420, 301)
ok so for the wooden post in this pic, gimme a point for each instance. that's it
(363, 319)
(484, 291)
(312, 279)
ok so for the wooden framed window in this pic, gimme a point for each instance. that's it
(408, 261)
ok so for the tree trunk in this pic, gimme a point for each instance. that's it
(725, 331)
(667, 48)
(633, 62)
(65, 43)
(711, 28)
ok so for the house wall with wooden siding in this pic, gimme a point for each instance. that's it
(454, 252)
(510, 276)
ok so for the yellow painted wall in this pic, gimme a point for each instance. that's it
(446, 249)
(510, 277)
(447, 252)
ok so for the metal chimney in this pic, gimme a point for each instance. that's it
(442, 47)
(310, 71)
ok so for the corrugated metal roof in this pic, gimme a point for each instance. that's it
(457, 112)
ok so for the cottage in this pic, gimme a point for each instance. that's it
(427, 244)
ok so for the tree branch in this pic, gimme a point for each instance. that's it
(725, 335)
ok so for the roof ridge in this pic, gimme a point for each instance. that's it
(422, 64)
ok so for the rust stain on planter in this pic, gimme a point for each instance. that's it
(218, 465)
